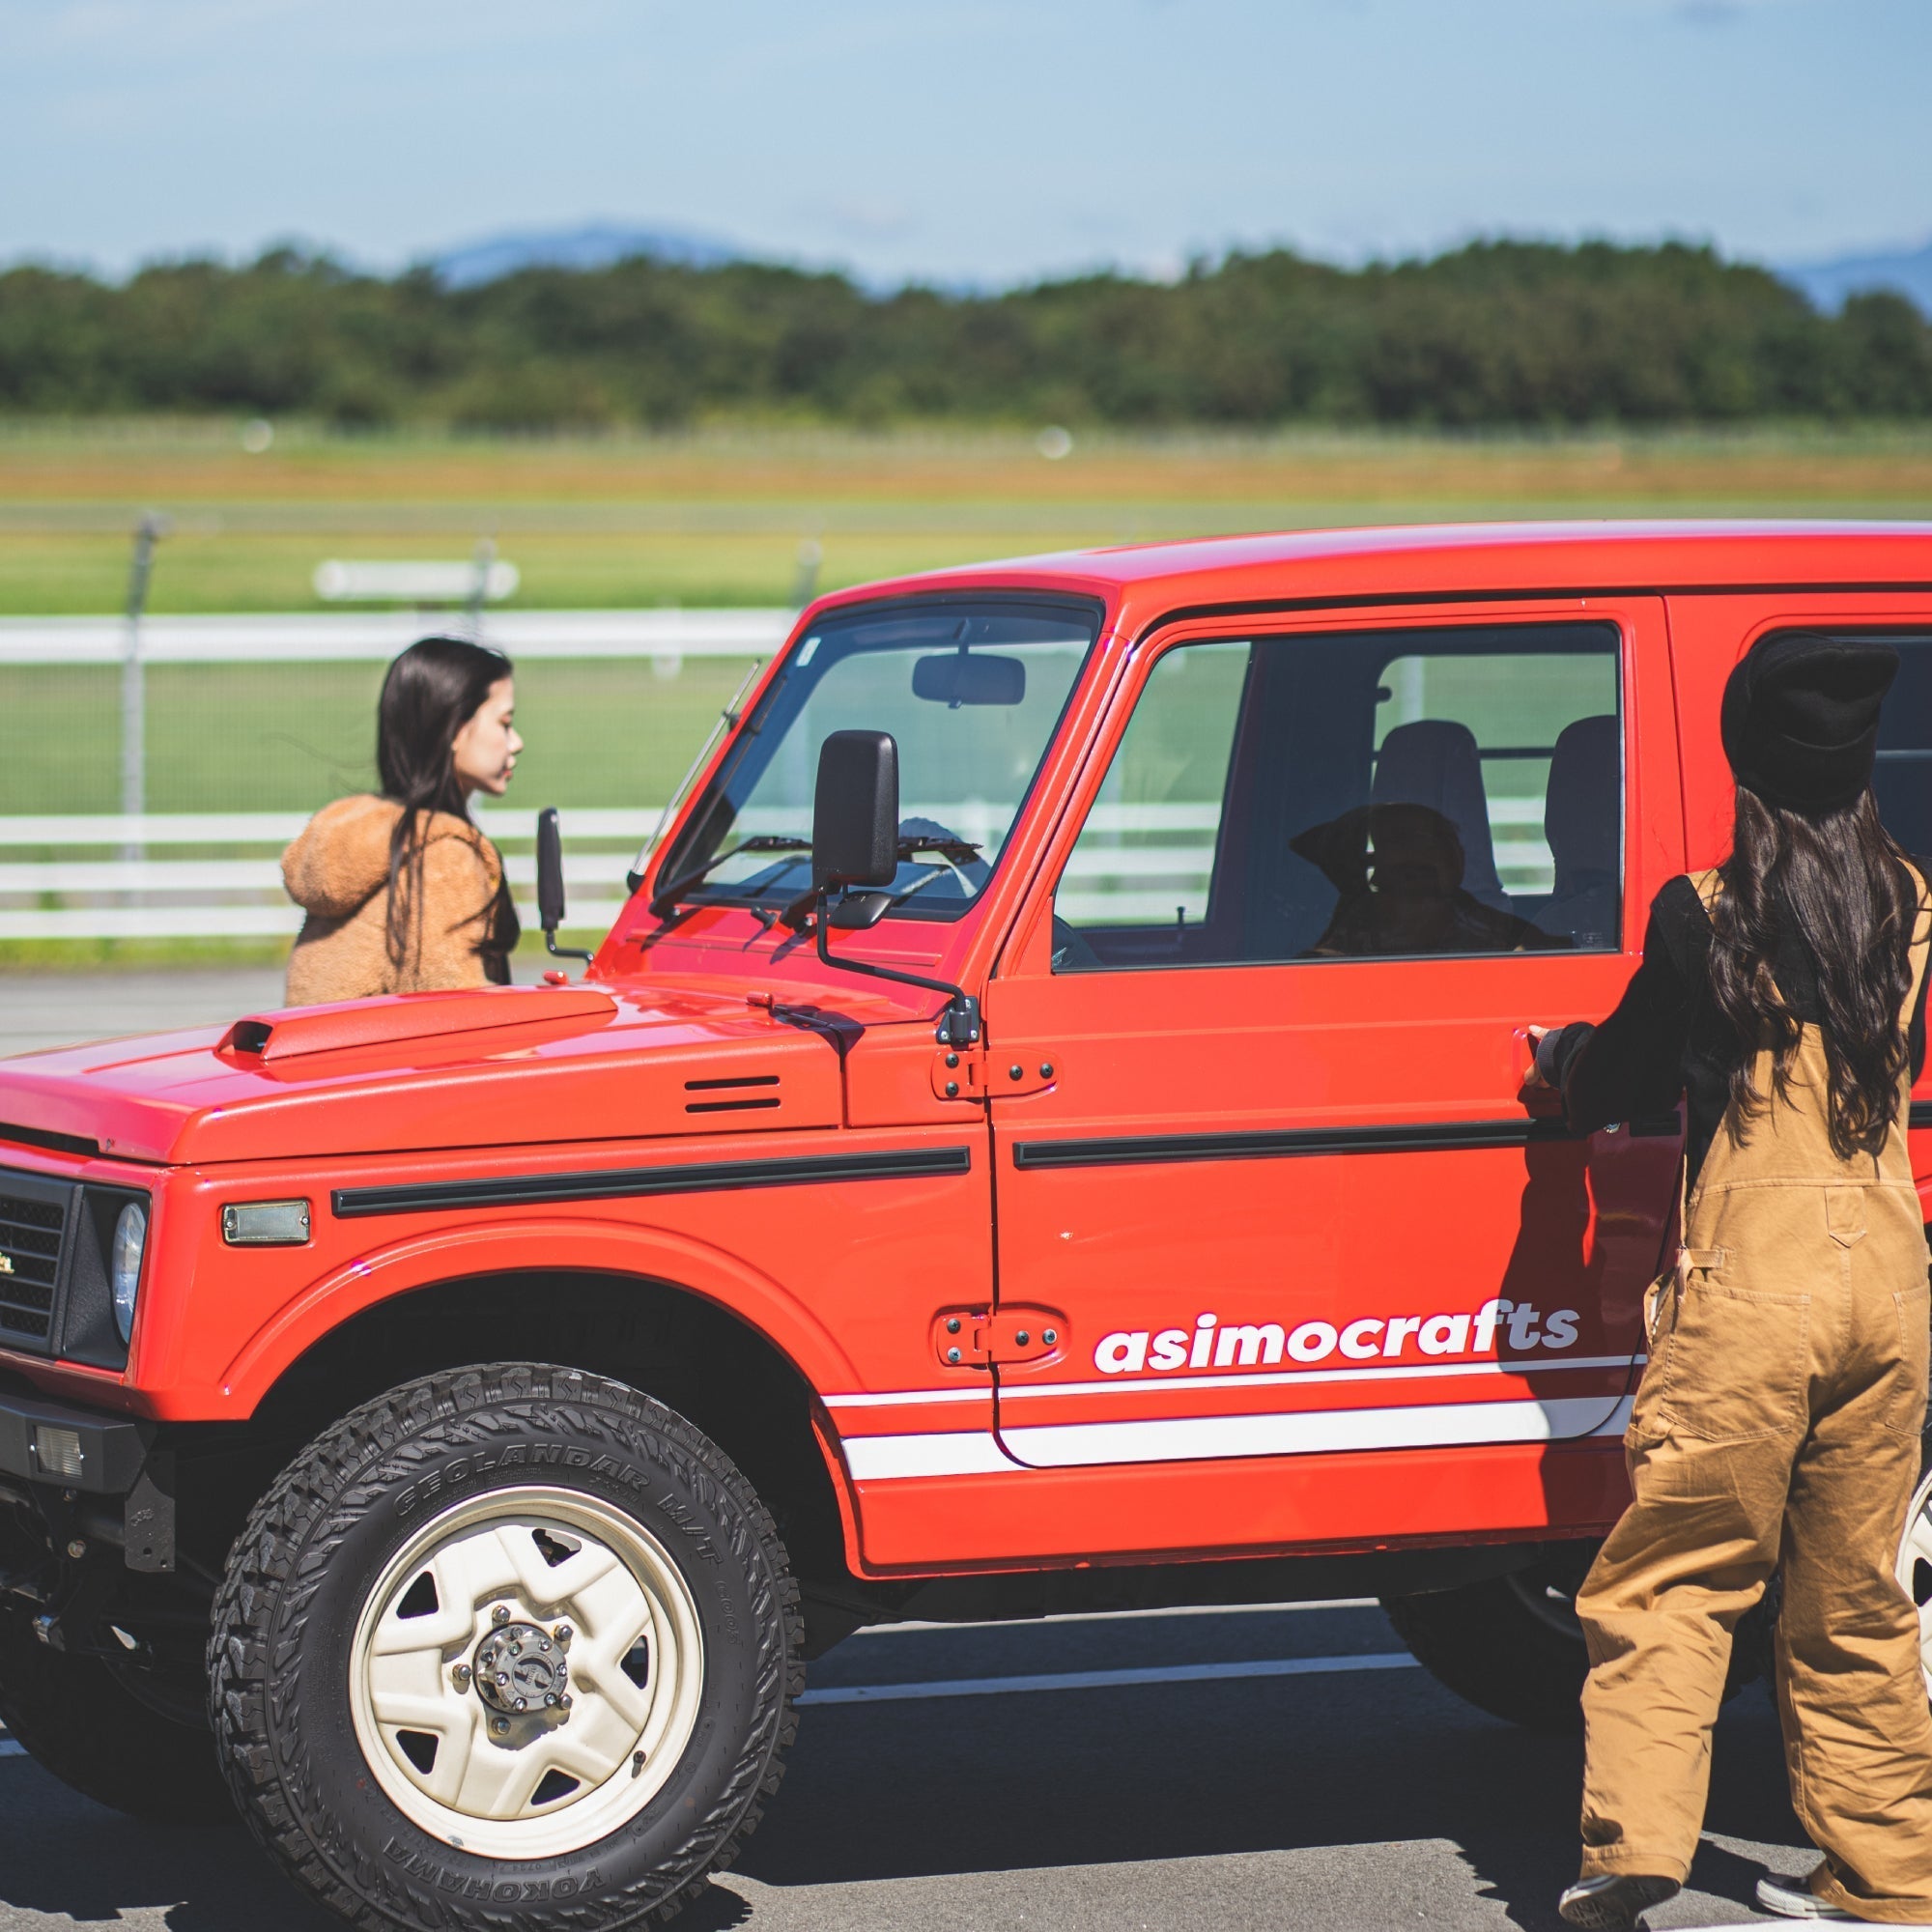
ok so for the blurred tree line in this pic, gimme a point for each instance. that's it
(1496, 334)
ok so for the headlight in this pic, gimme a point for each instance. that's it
(130, 1238)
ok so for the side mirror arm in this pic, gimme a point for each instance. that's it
(958, 1023)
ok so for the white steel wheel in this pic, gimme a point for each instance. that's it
(526, 1673)
(1915, 1568)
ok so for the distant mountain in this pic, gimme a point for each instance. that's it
(595, 246)
(1829, 283)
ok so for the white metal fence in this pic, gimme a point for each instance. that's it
(1134, 864)
(215, 874)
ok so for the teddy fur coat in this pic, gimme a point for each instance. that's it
(338, 872)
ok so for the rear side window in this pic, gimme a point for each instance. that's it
(1358, 795)
(1903, 776)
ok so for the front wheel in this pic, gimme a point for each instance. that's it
(504, 1638)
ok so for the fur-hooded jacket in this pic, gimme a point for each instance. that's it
(460, 933)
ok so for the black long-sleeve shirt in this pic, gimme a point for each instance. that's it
(1667, 1039)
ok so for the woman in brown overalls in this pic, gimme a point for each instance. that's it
(1778, 1422)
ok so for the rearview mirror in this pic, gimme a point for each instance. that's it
(968, 678)
(855, 810)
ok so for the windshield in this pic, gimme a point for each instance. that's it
(972, 690)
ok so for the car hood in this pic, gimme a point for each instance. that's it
(488, 1067)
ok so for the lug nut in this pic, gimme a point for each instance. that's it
(502, 1678)
(77, 1548)
(564, 1702)
(550, 1700)
(500, 1727)
(460, 1677)
(563, 1634)
(522, 1703)
(545, 1644)
(501, 1615)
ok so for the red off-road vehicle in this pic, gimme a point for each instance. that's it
(1045, 1132)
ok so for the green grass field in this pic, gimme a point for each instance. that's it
(706, 519)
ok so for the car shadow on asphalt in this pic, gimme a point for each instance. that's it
(1378, 1758)
(969, 1785)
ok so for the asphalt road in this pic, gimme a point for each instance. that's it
(1362, 1800)
(42, 1010)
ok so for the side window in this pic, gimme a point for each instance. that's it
(1903, 778)
(1357, 795)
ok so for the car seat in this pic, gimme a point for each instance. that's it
(1433, 761)
(1581, 821)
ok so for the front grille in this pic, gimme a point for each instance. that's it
(34, 1229)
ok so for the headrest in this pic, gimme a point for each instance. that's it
(1433, 761)
(1579, 808)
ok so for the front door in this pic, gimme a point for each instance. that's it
(1278, 1197)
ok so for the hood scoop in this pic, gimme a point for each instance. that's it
(392, 1017)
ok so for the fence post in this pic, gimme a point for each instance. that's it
(479, 594)
(133, 680)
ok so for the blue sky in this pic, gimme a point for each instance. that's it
(983, 140)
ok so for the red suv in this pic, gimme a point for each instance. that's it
(1046, 1132)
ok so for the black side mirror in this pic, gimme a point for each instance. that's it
(855, 812)
(855, 841)
(550, 883)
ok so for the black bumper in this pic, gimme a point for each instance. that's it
(80, 1470)
(112, 1448)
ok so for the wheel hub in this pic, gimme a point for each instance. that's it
(521, 1667)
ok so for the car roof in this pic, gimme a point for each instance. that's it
(1417, 561)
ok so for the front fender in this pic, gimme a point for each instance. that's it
(583, 1243)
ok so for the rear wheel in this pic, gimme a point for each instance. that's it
(1915, 1562)
(504, 1639)
(108, 1733)
(1513, 1645)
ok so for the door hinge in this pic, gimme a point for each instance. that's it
(976, 1338)
(977, 1074)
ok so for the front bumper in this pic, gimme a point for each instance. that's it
(96, 1475)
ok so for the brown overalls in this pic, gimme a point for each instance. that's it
(1777, 1421)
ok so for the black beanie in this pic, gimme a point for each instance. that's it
(1799, 718)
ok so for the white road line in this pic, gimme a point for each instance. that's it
(1105, 1680)
(12, 1747)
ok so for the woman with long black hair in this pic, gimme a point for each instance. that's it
(1777, 1423)
(404, 893)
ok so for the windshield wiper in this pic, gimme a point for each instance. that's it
(666, 897)
(957, 850)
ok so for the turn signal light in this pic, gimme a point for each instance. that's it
(265, 1224)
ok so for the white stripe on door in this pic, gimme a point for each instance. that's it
(1218, 1437)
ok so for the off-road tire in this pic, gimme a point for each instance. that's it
(311, 1553)
(77, 1720)
(1512, 1646)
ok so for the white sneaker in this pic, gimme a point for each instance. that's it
(1794, 1899)
(1614, 1901)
